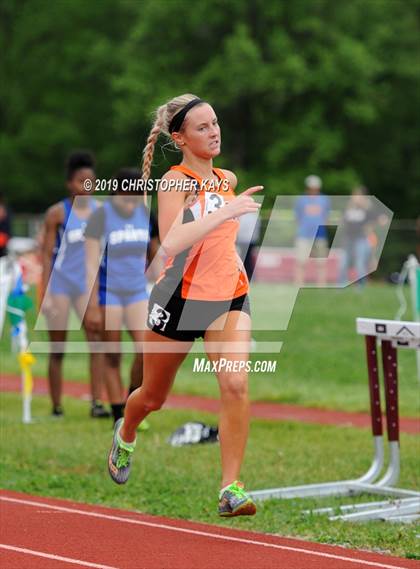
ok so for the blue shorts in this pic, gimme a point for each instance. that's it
(111, 298)
(59, 284)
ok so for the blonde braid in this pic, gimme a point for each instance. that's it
(149, 149)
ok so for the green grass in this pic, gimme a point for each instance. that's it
(322, 362)
(67, 459)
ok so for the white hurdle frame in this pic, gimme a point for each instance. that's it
(392, 335)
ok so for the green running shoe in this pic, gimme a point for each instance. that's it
(234, 501)
(119, 459)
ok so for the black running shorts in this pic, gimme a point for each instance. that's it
(185, 320)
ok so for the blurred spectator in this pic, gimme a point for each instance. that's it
(311, 214)
(5, 226)
(360, 239)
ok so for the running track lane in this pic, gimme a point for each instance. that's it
(259, 410)
(42, 533)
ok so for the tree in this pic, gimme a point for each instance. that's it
(58, 60)
(300, 87)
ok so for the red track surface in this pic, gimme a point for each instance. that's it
(273, 411)
(41, 533)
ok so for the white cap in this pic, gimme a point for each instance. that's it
(313, 182)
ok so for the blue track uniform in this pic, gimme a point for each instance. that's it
(122, 279)
(312, 215)
(68, 276)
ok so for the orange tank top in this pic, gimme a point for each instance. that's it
(211, 269)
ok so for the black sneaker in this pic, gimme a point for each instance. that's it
(57, 411)
(98, 411)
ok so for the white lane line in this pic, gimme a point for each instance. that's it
(202, 533)
(55, 557)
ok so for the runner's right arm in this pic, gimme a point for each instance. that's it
(53, 219)
(176, 236)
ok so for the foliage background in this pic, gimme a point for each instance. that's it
(310, 86)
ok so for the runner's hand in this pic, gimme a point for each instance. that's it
(243, 203)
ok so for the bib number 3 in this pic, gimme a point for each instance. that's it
(213, 202)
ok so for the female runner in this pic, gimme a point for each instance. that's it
(127, 231)
(201, 293)
(63, 276)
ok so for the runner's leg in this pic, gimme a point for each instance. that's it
(160, 369)
(234, 412)
(135, 320)
(96, 359)
(57, 331)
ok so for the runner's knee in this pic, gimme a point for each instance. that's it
(234, 386)
(57, 357)
(113, 360)
(153, 401)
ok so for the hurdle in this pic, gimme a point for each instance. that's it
(411, 269)
(391, 335)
